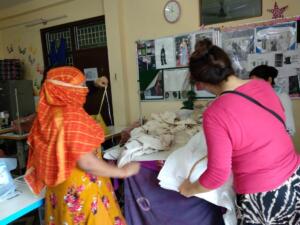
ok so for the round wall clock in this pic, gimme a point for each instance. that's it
(172, 11)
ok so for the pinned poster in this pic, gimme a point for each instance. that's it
(279, 37)
(176, 84)
(165, 53)
(183, 49)
(238, 44)
(146, 55)
(211, 34)
(91, 74)
(155, 90)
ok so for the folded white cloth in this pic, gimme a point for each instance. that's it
(144, 144)
(164, 132)
(178, 167)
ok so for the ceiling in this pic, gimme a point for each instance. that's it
(10, 3)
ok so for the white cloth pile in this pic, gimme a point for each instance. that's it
(165, 131)
(190, 161)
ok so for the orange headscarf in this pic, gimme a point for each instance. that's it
(62, 130)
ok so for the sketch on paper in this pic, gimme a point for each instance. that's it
(165, 53)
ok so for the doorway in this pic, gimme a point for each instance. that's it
(81, 44)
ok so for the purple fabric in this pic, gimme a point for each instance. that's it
(116, 183)
(146, 203)
(152, 165)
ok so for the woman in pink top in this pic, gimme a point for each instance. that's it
(246, 135)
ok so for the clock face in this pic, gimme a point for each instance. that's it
(172, 11)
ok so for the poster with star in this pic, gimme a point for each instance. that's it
(279, 37)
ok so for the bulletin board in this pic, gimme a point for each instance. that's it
(163, 62)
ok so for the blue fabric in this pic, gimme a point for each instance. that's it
(57, 56)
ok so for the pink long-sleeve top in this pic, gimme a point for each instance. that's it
(247, 140)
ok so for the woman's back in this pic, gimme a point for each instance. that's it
(262, 154)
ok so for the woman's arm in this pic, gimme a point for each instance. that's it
(189, 189)
(219, 153)
(288, 111)
(91, 164)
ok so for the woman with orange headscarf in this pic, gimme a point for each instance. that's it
(63, 156)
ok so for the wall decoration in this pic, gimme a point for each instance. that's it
(183, 49)
(176, 83)
(238, 45)
(211, 34)
(155, 89)
(288, 65)
(260, 59)
(22, 50)
(91, 74)
(220, 11)
(172, 11)
(31, 59)
(294, 86)
(276, 11)
(165, 53)
(32, 50)
(270, 43)
(38, 69)
(280, 37)
(10, 49)
(146, 55)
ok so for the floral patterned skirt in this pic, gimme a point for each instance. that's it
(82, 199)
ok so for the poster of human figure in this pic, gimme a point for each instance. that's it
(211, 34)
(238, 44)
(294, 86)
(155, 90)
(279, 37)
(183, 49)
(165, 53)
(146, 55)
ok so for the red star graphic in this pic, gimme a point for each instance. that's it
(277, 12)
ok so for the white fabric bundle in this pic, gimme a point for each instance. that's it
(165, 131)
(178, 166)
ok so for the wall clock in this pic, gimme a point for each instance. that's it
(172, 11)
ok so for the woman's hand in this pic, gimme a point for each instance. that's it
(189, 189)
(131, 169)
(101, 81)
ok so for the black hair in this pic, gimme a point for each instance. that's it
(209, 63)
(264, 72)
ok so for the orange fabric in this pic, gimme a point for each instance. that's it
(62, 130)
